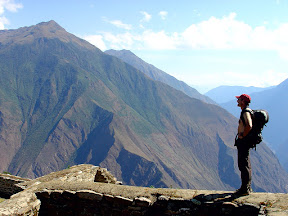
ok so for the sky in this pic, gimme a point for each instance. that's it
(205, 43)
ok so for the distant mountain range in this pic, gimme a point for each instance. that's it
(64, 102)
(223, 94)
(272, 99)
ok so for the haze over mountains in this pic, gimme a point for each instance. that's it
(223, 94)
(65, 102)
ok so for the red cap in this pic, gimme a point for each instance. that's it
(245, 97)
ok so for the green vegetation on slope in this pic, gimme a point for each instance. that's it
(75, 104)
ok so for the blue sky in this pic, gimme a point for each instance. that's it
(204, 43)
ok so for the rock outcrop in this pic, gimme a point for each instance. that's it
(74, 191)
(9, 185)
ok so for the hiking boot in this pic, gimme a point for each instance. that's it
(242, 192)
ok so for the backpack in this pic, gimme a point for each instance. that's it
(259, 119)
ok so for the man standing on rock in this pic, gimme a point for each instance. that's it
(243, 147)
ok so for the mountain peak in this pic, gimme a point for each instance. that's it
(50, 30)
(50, 26)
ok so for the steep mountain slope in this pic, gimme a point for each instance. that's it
(273, 100)
(223, 94)
(157, 74)
(282, 154)
(65, 102)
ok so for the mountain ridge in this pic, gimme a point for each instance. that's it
(49, 29)
(157, 74)
(223, 94)
(64, 104)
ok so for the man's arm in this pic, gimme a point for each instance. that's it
(248, 125)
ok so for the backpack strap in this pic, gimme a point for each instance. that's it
(247, 109)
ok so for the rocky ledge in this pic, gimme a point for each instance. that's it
(91, 190)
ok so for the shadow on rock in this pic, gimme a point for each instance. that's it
(225, 197)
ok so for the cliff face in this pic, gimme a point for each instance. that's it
(64, 102)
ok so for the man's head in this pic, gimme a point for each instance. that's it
(245, 98)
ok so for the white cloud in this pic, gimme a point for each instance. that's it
(121, 41)
(159, 40)
(147, 17)
(163, 14)
(147, 40)
(10, 5)
(215, 33)
(96, 40)
(229, 33)
(3, 22)
(119, 24)
(223, 34)
(267, 78)
(7, 5)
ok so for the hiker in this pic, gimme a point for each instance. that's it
(243, 147)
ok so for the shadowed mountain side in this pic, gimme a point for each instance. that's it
(95, 149)
(157, 74)
(282, 154)
(67, 104)
(137, 170)
(226, 167)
